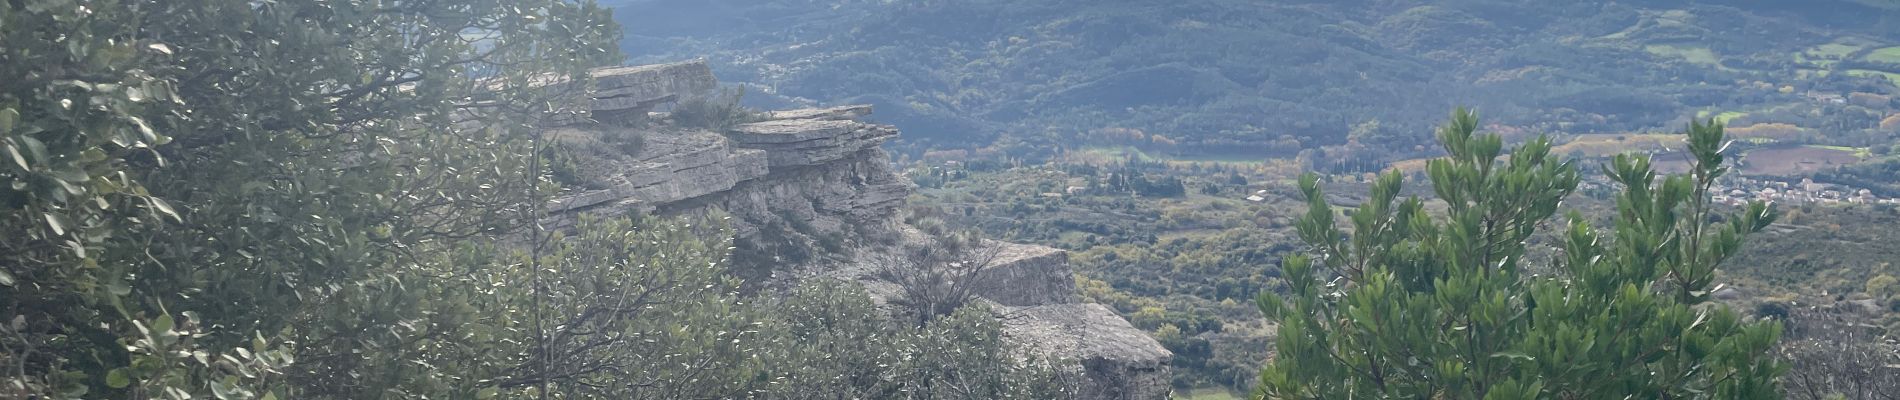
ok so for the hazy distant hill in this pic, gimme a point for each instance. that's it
(1228, 75)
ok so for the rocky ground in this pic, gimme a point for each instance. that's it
(819, 174)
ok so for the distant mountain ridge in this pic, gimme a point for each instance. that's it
(1231, 74)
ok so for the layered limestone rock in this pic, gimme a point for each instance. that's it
(1120, 362)
(804, 180)
(671, 167)
(851, 112)
(624, 95)
(794, 142)
(1027, 275)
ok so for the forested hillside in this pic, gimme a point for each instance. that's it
(1159, 141)
(1092, 199)
(1250, 77)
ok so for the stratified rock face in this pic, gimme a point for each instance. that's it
(852, 196)
(1027, 275)
(805, 177)
(643, 86)
(627, 93)
(1120, 362)
(672, 166)
(793, 142)
(851, 112)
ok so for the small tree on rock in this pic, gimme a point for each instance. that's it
(939, 276)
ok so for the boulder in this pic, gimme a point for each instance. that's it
(1027, 275)
(795, 142)
(1119, 361)
(624, 95)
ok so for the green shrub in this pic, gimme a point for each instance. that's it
(1411, 305)
(716, 112)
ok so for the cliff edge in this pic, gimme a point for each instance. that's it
(813, 195)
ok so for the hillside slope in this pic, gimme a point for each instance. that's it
(1231, 75)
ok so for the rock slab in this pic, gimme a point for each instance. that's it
(808, 176)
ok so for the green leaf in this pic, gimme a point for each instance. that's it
(487, 393)
(8, 117)
(57, 223)
(145, 130)
(1513, 355)
(14, 153)
(6, 279)
(165, 209)
(163, 324)
(117, 379)
(34, 148)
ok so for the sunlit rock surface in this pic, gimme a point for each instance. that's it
(812, 175)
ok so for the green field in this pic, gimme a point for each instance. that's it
(1886, 55)
(1698, 55)
(1861, 152)
(1892, 77)
(1723, 117)
(1826, 55)
(1833, 50)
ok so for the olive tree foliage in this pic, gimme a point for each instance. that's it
(1411, 305)
(242, 199)
(636, 309)
(832, 342)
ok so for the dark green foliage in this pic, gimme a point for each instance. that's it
(1426, 307)
(1162, 187)
(321, 199)
(281, 138)
(834, 343)
(1878, 177)
(1232, 76)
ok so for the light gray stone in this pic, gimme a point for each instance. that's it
(819, 174)
(1027, 275)
(840, 113)
(1119, 361)
(620, 88)
(809, 141)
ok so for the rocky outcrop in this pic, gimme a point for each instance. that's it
(624, 95)
(1027, 275)
(1120, 362)
(851, 112)
(801, 180)
(795, 142)
(671, 167)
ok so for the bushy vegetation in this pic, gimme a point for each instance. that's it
(837, 344)
(319, 199)
(1412, 306)
(715, 112)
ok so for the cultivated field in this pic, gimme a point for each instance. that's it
(1796, 160)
